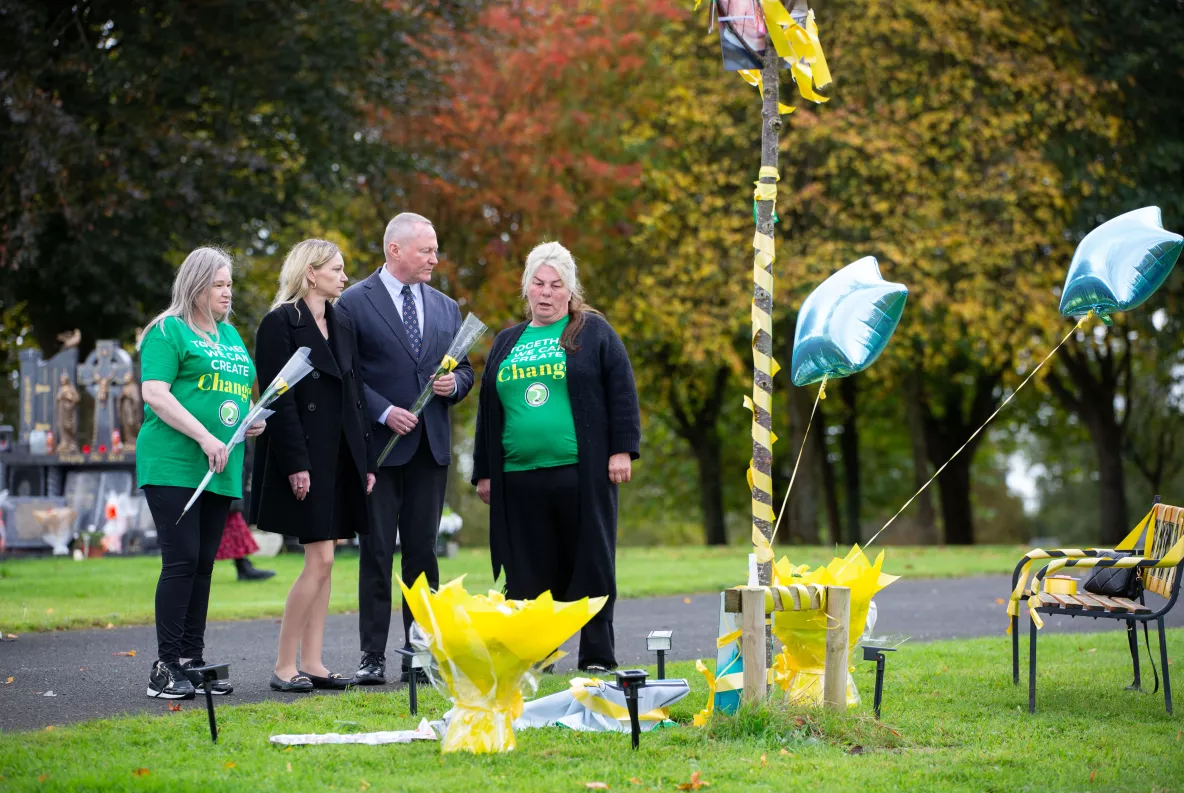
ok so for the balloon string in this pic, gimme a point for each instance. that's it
(794, 475)
(1011, 396)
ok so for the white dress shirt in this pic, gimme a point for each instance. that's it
(395, 287)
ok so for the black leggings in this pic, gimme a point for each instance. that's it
(187, 551)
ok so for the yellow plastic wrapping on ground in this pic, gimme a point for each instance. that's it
(798, 669)
(483, 647)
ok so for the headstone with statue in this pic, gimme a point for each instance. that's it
(60, 462)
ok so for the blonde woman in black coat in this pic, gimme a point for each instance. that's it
(315, 466)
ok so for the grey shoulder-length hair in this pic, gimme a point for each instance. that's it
(560, 258)
(191, 292)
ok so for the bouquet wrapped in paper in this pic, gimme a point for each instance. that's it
(484, 649)
(798, 669)
(293, 372)
(470, 331)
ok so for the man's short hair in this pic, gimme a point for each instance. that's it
(401, 227)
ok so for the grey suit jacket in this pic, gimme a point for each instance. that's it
(391, 375)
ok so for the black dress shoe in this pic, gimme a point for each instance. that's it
(372, 670)
(299, 684)
(597, 669)
(249, 572)
(334, 681)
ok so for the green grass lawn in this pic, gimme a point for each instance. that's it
(952, 721)
(46, 594)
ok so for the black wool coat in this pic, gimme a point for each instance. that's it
(318, 419)
(607, 418)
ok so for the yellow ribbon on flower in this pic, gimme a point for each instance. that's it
(582, 688)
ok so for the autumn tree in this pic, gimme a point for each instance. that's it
(933, 156)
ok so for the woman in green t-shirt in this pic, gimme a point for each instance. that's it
(197, 380)
(558, 428)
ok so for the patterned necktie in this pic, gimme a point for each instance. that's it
(411, 321)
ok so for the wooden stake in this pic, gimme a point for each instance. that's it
(752, 643)
(838, 624)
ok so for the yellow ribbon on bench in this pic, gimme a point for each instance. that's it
(1076, 557)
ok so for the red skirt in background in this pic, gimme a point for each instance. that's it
(237, 541)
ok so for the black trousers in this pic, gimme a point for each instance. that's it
(543, 515)
(410, 498)
(187, 551)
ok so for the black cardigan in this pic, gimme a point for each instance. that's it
(607, 421)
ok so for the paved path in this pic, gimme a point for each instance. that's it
(91, 681)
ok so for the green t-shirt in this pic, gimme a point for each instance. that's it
(539, 431)
(211, 382)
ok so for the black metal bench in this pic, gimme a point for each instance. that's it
(1164, 529)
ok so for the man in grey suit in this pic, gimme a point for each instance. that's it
(403, 328)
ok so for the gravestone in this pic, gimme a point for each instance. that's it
(106, 370)
(39, 385)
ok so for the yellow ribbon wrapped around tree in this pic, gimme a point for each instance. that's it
(798, 669)
(483, 647)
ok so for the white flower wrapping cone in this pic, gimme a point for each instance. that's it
(293, 372)
(470, 331)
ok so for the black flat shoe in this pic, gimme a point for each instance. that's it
(299, 684)
(334, 682)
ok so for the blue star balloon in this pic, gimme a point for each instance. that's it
(1120, 264)
(846, 323)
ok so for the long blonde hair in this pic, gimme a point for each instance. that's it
(560, 258)
(193, 280)
(309, 254)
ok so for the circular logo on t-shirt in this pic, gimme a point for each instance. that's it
(228, 413)
(537, 394)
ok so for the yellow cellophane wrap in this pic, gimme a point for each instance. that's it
(798, 669)
(483, 646)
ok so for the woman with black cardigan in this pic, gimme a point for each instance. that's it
(558, 426)
(316, 465)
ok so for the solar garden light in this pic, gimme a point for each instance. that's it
(210, 673)
(630, 680)
(413, 674)
(659, 642)
(873, 653)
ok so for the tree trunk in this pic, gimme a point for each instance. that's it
(926, 519)
(956, 511)
(946, 434)
(834, 522)
(1097, 375)
(706, 446)
(697, 422)
(849, 446)
(800, 525)
(1107, 438)
(762, 306)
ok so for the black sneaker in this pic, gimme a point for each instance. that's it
(167, 681)
(372, 670)
(217, 687)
